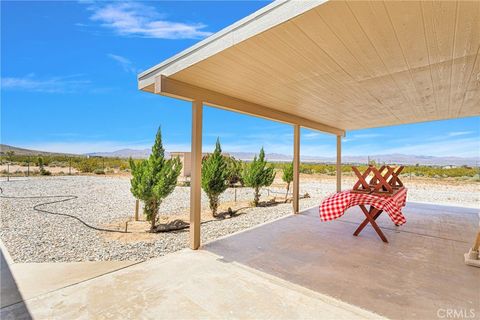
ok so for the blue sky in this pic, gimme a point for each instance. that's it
(69, 84)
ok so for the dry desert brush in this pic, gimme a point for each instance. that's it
(41, 166)
(154, 179)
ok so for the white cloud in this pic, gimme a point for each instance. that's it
(59, 84)
(311, 134)
(136, 19)
(366, 135)
(459, 133)
(360, 136)
(125, 63)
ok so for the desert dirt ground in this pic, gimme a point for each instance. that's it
(15, 169)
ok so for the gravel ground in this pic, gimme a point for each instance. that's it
(32, 236)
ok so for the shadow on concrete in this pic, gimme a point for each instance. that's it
(11, 300)
(418, 274)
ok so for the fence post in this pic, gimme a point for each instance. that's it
(28, 168)
(137, 204)
(70, 167)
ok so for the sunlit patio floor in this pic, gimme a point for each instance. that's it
(419, 274)
(294, 267)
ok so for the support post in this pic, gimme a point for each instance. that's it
(196, 175)
(296, 167)
(339, 163)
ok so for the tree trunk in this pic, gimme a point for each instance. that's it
(213, 204)
(154, 215)
(256, 199)
(288, 189)
(152, 224)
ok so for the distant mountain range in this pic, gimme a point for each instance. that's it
(28, 152)
(277, 157)
(383, 158)
(124, 153)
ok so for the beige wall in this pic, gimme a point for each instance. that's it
(186, 159)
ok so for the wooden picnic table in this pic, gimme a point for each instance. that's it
(384, 192)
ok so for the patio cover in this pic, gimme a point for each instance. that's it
(330, 66)
(336, 65)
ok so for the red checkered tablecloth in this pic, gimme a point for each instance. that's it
(335, 206)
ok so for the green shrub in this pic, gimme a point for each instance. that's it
(87, 165)
(40, 163)
(10, 154)
(258, 174)
(287, 176)
(154, 179)
(306, 169)
(214, 177)
(98, 171)
(44, 172)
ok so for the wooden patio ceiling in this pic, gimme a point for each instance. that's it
(336, 65)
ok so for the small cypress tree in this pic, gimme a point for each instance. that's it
(154, 179)
(287, 176)
(258, 174)
(214, 177)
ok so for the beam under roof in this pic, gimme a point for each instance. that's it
(155, 79)
(177, 89)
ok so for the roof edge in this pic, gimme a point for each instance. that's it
(267, 17)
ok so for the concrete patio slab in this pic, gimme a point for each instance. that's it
(22, 281)
(420, 274)
(185, 285)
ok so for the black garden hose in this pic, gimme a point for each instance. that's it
(72, 197)
(65, 199)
